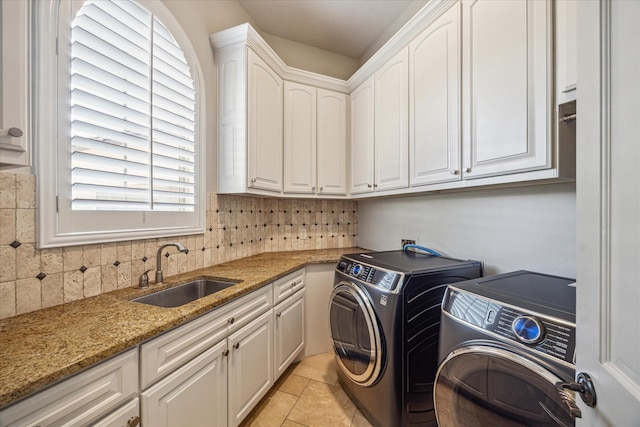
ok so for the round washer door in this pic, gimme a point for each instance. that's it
(495, 387)
(355, 333)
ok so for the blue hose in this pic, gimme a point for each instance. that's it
(422, 248)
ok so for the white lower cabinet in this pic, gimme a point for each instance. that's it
(82, 400)
(289, 331)
(194, 395)
(250, 366)
(128, 415)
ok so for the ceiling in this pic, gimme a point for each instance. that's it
(345, 27)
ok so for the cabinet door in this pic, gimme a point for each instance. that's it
(195, 394)
(362, 142)
(434, 102)
(392, 123)
(566, 47)
(264, 126)
(14, 77)
(289, 331)
(299, 138)
(332, 142)
(250, 366)
(506, 86)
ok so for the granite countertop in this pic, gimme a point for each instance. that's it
(44, 346)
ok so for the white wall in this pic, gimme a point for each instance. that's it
(532, 228)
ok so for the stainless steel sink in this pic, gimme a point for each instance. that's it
(183, 294)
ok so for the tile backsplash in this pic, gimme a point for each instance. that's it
(237, 227)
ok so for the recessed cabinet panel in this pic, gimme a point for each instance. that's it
(289, 331)
(362, 142)
(265, 126)
(434, 102)
(566, 47)
(507, 90)
(391, 123)
(332, 142)
(299, 138)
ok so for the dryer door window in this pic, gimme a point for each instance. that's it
(495, 387)
(355, 333)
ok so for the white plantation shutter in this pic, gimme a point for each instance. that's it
(133, 112)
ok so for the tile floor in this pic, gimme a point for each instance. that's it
(307, 394)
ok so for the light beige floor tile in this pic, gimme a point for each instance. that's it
(359, 420)
(322, 405)
(271, 411)
(320, 367)
(289, 423)
(292, 384)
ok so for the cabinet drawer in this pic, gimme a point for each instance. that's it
(165, 354)
(287, 286)
(122, 416)
(81, 399)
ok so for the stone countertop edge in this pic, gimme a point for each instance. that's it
(40, 348)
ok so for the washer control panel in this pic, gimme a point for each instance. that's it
(553, 337)
(366, 273)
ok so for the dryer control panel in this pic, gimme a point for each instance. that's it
(366, 273)
(549, 336)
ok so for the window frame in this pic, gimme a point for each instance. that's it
(58, 225)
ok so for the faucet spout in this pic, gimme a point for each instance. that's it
(179, 246)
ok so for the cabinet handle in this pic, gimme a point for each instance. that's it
(236, 345)
(14, 132)
(455, 172)
(278, 315)
(253, 181)
(321, 188)
(133, 422)
(231, 320)
(467, 170)
(293, 285)
(375, 185)
(225, 352)
(313, 188)
(368, 185)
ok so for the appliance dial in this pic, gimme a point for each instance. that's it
(528, 329)
(357, 269)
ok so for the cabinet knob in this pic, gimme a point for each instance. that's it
(133, 422)
(313, 188)
(321, 188)
(278, 315)
(368, 185)
(14, 132)
(293, 285)
(225, 352)
(253, 181)
(455, 172)
(467, 170)
(375, 185)
(236, 345)
(231, 320)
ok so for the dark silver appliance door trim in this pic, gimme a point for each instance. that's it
(372, 372)
(493, 352)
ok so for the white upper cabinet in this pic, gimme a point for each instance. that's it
(566, 46)
(507, 86)
(249, 123)
(332, 142)
(362, 142)
(300, 138)
(315, 140)
(14, 91)
(391, 123)
(265, 126)
(434, 102)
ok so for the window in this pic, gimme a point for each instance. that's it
(129, 158)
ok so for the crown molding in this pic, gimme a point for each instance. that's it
(246, 35)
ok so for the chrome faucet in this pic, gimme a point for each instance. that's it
(179, 246)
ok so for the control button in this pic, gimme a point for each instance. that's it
(491, 316)
(528, 329)
(357, 269)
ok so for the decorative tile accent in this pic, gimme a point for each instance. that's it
(144, 259)
(83, 269)
(15, 244)
(41, 276)
(117, 263)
